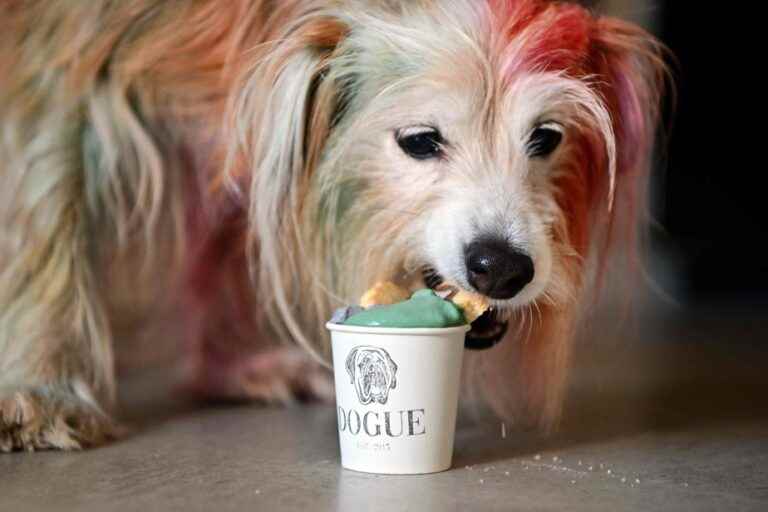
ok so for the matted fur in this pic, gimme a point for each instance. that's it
(247, 146)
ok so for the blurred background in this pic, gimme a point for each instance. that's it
(708, 239)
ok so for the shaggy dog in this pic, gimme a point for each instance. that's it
(241, 168)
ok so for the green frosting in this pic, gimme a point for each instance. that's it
(423, 309)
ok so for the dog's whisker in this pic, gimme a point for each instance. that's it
(538, 313)
(523, 316)
(524, 323)
(533, 323)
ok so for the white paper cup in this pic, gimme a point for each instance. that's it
(397, 391)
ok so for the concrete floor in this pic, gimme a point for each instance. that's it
(669, 420)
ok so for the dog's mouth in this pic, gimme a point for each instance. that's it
(486, 331)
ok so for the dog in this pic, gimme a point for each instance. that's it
(236, 170)
(373, 373)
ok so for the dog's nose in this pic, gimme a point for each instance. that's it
(496, 269)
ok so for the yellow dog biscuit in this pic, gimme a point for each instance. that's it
(472, 304)
(384, 293)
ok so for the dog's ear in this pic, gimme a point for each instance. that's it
(631, 66)
(284, 110)
(350, 365)
(628, 70)
(282, 113)
(283, 107)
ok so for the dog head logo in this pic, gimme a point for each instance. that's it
(372, 372)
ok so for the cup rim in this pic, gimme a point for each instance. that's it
(405, 331)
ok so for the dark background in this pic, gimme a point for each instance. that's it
(709, 196)
(708, 200)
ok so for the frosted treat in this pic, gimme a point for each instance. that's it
(424, 309)
(384, 293)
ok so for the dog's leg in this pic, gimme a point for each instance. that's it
(55, 354)
(276, 375)
(56, 368)
(62, 416)
(230, 354)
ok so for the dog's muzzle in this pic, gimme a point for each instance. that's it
(486, 331)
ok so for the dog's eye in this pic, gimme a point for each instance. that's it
(420, 143)
(544, 140)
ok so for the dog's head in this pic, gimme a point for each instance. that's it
(373, 374)
(489, 143)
